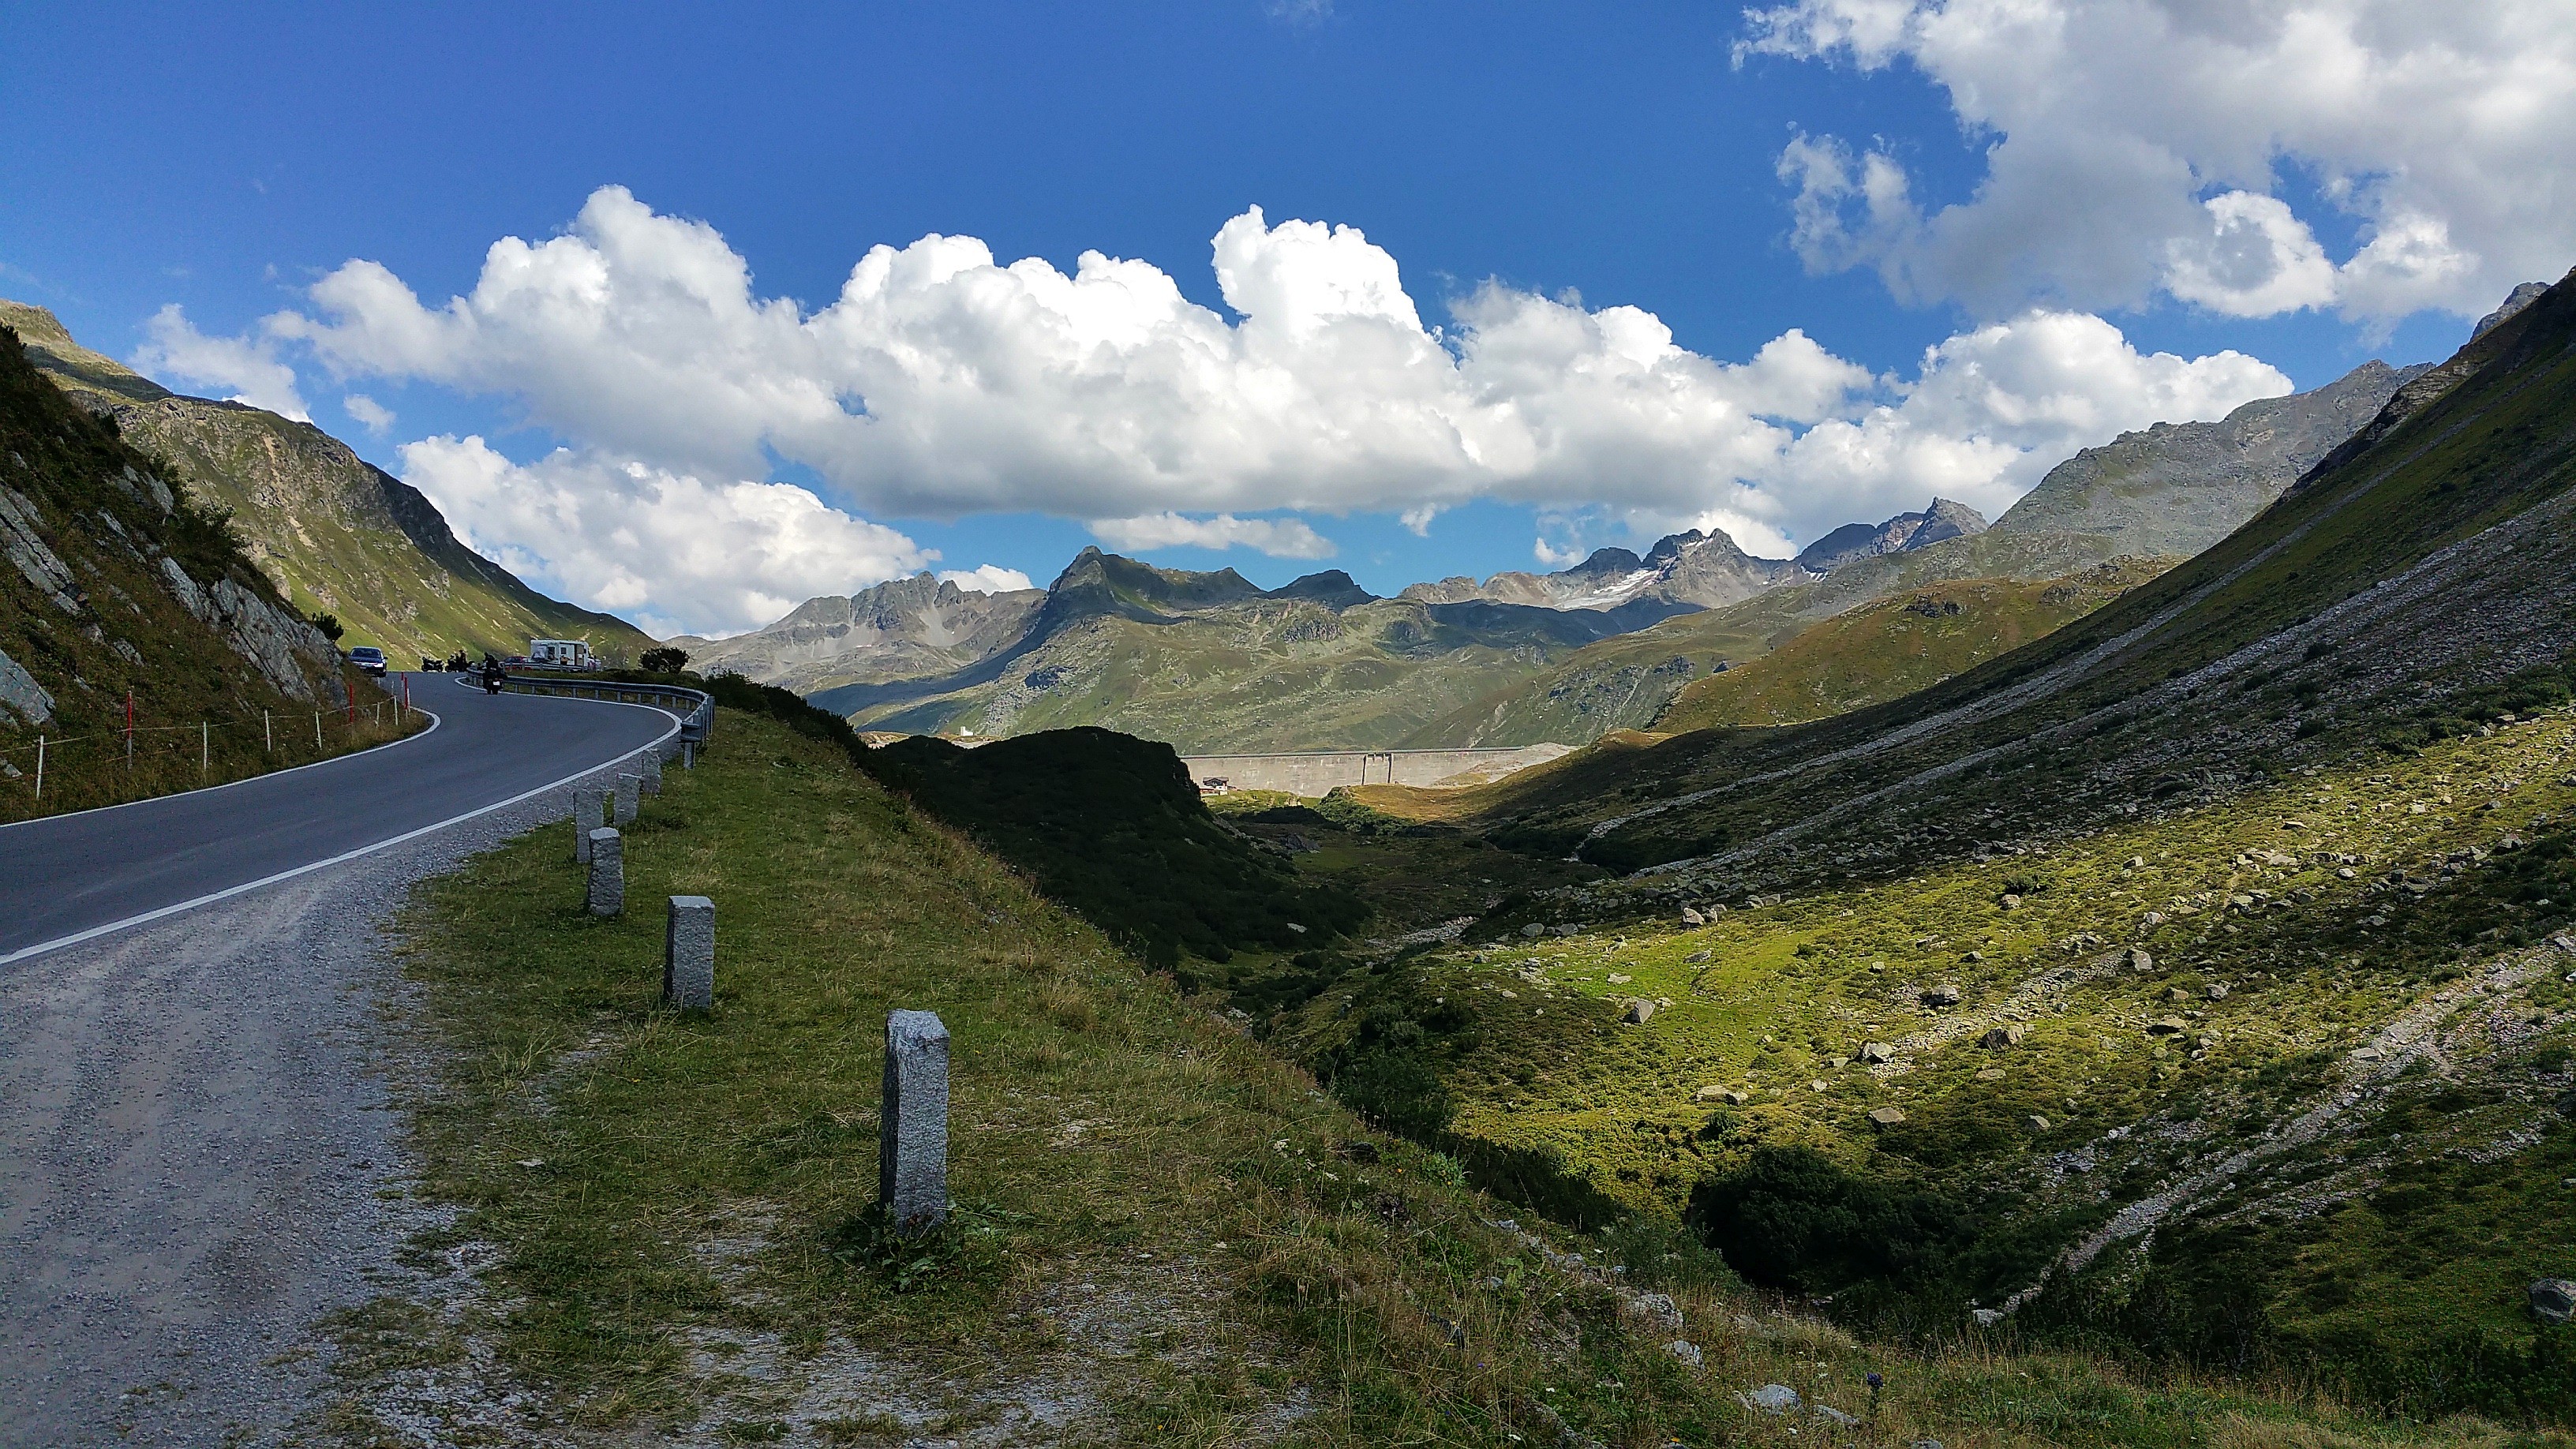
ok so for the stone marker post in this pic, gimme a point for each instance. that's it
(587, 804)
(607, 873)
(628, 787)
(689, 953)
(688, 755)
(653, 771)
(912, 1125)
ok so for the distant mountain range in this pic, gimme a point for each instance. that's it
(1210, 661)
(334, 533)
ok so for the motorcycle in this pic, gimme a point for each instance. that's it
(493, 680)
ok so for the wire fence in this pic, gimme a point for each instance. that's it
(135, 759)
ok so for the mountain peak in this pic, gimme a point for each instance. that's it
(2514, 301)
(73, 367)
(1944, 519)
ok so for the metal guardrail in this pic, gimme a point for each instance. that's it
(697, 720)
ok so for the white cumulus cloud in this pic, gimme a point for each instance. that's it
(988, 579)
(247, 369)
(372, 415)
(1279, 538)
(670, 551)
(2136, 146)
(941, 381)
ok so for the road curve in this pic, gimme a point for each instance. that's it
(67, 878)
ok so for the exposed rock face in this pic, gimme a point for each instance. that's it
(288, 652)
(2514, 301)
(19, 692)
(2177, 488)
(20, 538)
(899, 629)
(1906, 531)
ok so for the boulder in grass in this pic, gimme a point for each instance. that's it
(1877, 1053)
(1638, 1013)
(1887, 1116)
(1941, 996)
(1658, 1309)
(2553, 1300)
(2007, 1035)
(2168, 1026)
(1771, 1399)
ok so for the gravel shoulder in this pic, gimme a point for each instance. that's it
(200, 1157)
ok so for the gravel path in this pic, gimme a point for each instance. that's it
(196, 1135)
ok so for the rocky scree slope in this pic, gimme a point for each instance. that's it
(332, 532)
(118, 582)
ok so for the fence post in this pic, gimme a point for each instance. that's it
(317, 729)
(203, 747)
(267, 734)
(40, 767)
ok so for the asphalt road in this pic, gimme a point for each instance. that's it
(200, 1159)
(71, 874)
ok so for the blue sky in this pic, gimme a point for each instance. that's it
(1563, 159)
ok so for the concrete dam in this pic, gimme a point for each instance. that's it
(1315, 773)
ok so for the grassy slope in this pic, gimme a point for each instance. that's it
(1628, 683)
(2389, 1252)
(1272, 675)
(1892, 648)
(78, 475)
(335, 534)
(1165, 1233)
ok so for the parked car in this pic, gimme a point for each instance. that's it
(369, 659)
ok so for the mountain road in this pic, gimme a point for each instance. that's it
(200, 1016)
(66, 876)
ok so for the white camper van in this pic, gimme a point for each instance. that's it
(561, 654)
